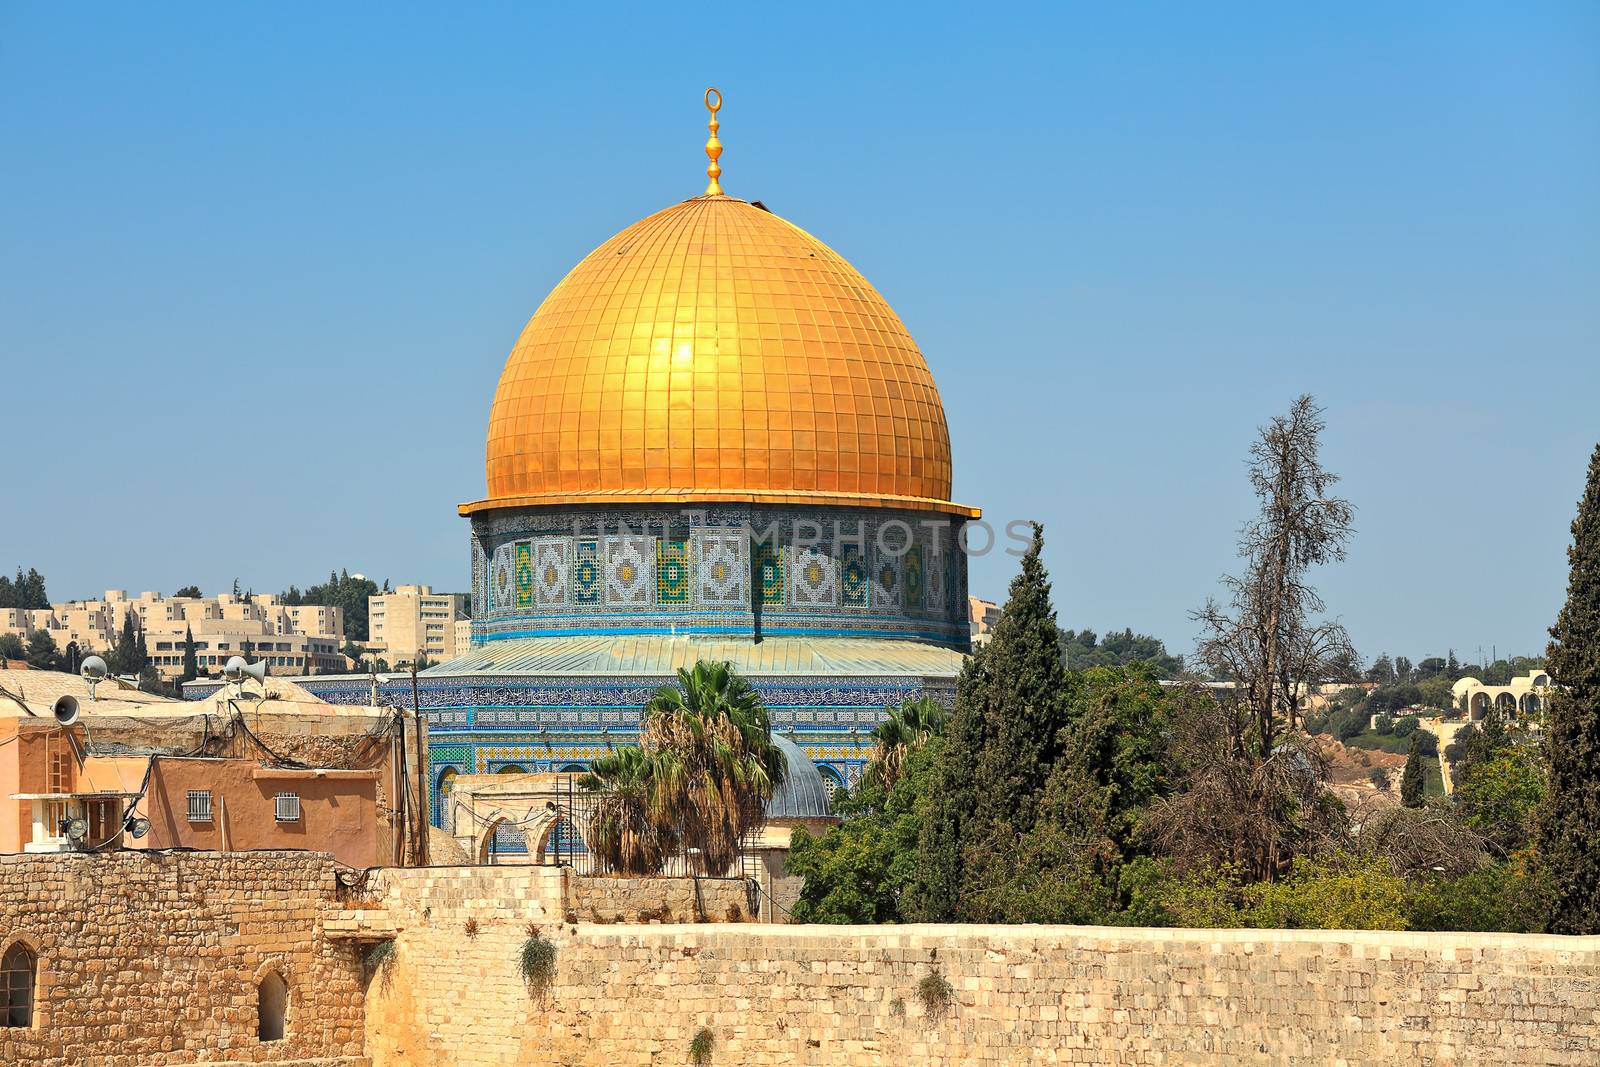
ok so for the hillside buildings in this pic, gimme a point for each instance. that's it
(415, 621)
(292, 639)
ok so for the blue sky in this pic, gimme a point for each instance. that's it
(236, 243)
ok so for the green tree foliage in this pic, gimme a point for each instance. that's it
(1414, 779)
(25, 591)
(1005, 736)
(1506, 896)
(1569, 826)
(11, 647)
(1498, 795)
(858, 871)
(1084, 648)
(705, 770)
(126, 657)
(1067, 866)
(42, 654)
(189, 591)
(340, 591)
(191, 663)
(1339, 892)
(908, 727)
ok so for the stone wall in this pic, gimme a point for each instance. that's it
(1017, 995)
(153, 959)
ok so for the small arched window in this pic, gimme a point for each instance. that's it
(18, 970)
(272, 1004)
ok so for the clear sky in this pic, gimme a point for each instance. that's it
(243, 250)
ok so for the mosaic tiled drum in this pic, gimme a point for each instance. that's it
(713, 440)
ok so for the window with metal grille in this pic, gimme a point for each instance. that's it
(199, 805)
(286, 807)
(18, 968)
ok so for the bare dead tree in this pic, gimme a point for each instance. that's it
(1252, 794)
(1266, 639)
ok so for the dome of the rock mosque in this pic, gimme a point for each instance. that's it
(716, 352)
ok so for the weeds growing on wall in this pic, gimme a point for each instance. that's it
(470, 927)
(378, 953)
(537, 964)
(935, 993)
(700, 1046)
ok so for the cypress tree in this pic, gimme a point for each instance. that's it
(1003, 738)
(1569, 823)
(935, 889)
(191, 663)
(125, 657)
(1412, 780)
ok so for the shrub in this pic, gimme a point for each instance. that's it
(538, 964)
(1379, 777)
(935, 992)
(1344, 893)
(1509, 897)
(378, 954)
(470, 927)
(700, 1046)
(1383, 724)
(1427, 742)
(1403, 727)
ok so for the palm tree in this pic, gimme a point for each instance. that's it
(908, 727)
(625, 833)
(706, 766)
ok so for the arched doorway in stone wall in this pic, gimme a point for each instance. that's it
(1478, 705)
(441, 790)
(502, 841)
(560, 841)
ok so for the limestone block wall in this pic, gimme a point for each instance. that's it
(1017, 995)
(643, 900)
(153, 959)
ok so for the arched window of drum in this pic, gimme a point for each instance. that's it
(272, 1005)
(18, 969)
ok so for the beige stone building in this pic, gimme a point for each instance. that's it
(292, 639)
(1524, 695)
(982, 614)
(415, 620)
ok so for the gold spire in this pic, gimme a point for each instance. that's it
(713, 146)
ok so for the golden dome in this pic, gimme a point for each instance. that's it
(714, 352)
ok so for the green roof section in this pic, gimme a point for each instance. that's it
(662, 654)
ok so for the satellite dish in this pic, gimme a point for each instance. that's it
(137, 827)
(66, 710)
(237, 670)
(77, 828)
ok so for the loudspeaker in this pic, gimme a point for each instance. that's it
(66, 710)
